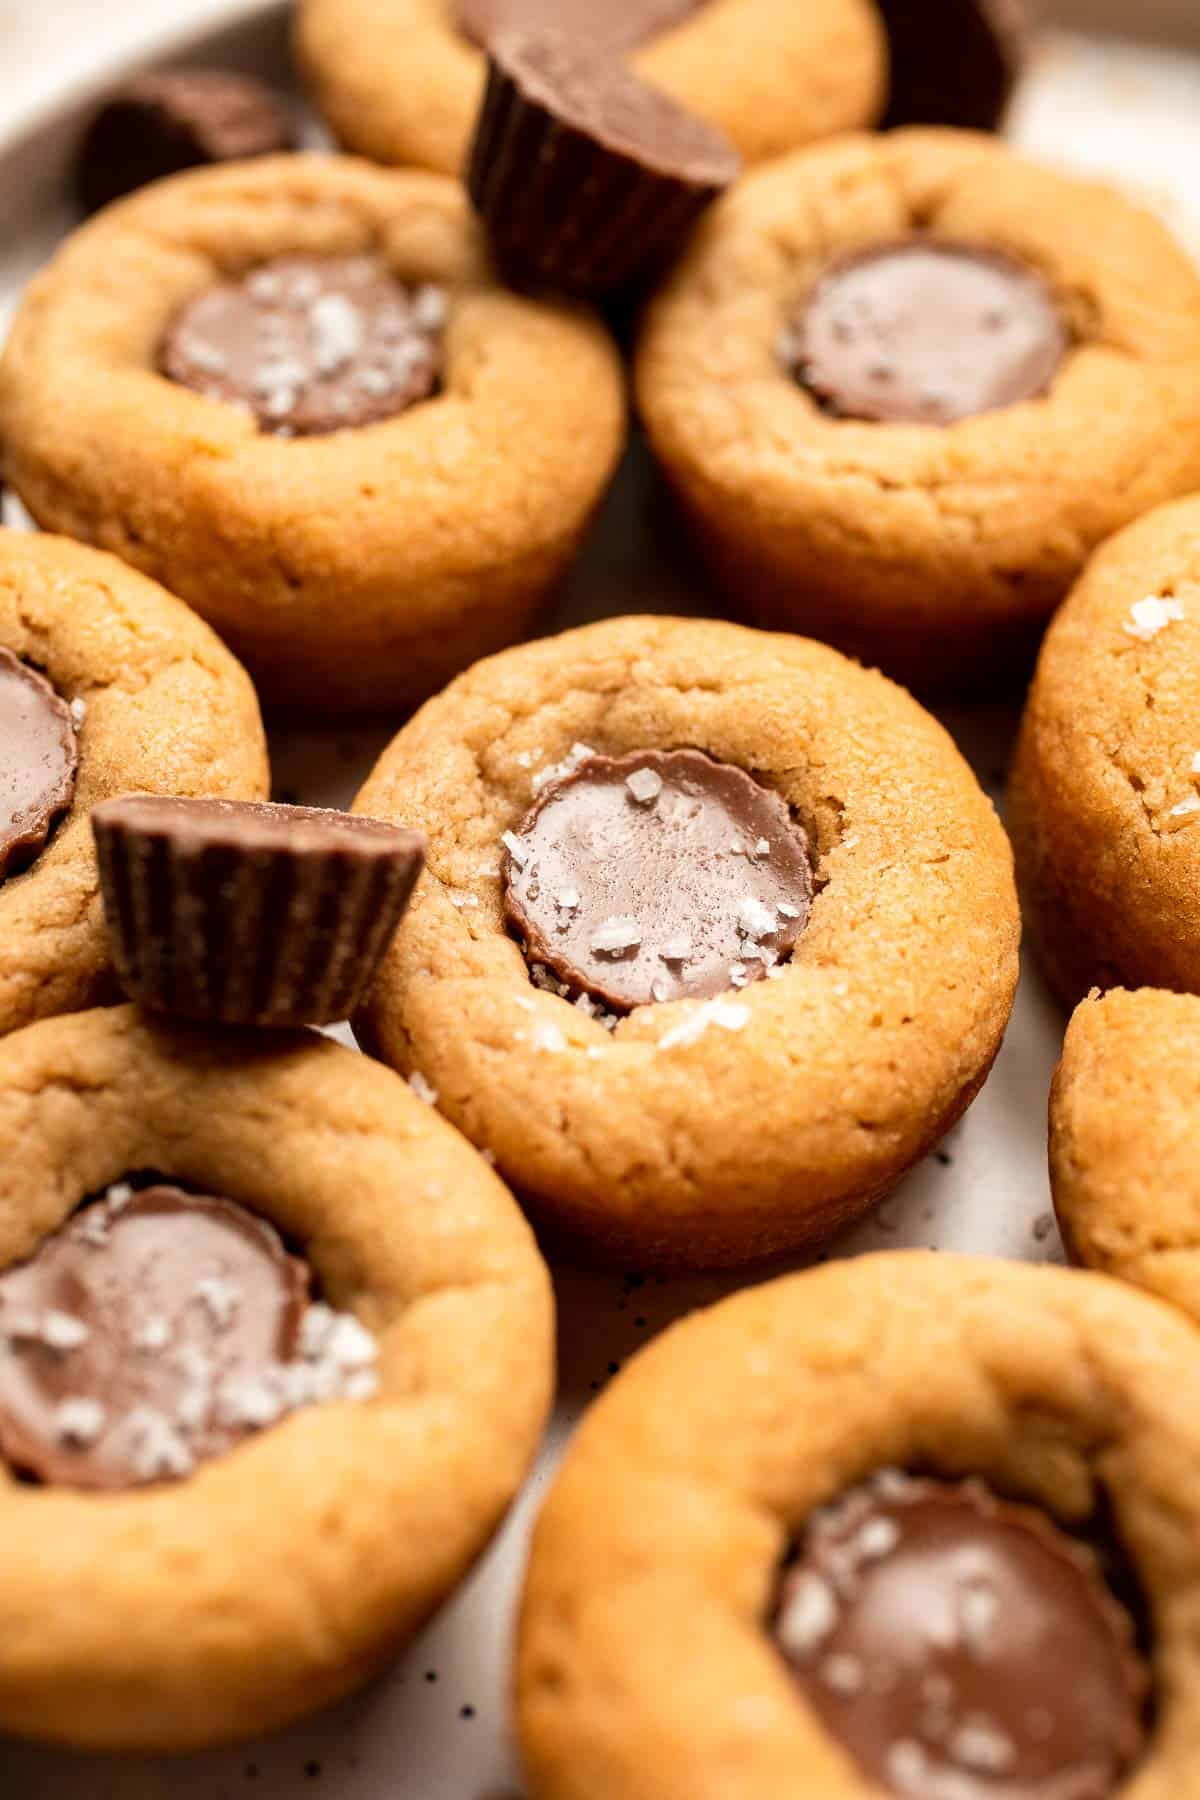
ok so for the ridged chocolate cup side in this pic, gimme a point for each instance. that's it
(586, 191)
(250, 915)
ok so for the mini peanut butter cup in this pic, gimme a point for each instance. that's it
(957, 1644)
(586, 178)
(39, 758)
(250, 914)
(174, 119)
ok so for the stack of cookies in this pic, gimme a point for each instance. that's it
(680, 941)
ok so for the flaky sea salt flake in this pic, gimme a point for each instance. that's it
(219, 1298)
(725, 1013)
(644, 785)
(755, 920)
(1150, 616)
(808, 1617)
(613, 937)
(78, 1422)
(62, 1331)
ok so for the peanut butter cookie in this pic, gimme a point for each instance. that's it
(107, 684)
(909, 1525)
(717, 934)
(1105, 791)
(1124, 1120)
(904, 385)
(293, 390)
(277, 1349)
(402, 80)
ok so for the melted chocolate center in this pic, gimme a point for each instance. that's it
(39, 756)
(153, 1332)
(662, 875)
(957, 1645)
(311, 344)
(927, 333)
(620, 26)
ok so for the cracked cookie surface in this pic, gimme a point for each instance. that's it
(693, 1134)
(352, 571)
(285, 1573)
(1105, 791)
(400, 82)
(936, 551)
(647, 1667)
(162, 707)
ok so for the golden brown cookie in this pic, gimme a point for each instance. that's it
(649, 1666)
(780, 1079)
(400, 80)
(1124, 1124)
(937, 549)
(1105, 790)
(158, 705)
(352, 568)
(272, 1578)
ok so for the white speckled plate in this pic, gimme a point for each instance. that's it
(435, 1729)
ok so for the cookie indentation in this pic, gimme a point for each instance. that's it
(154, 1332)
(952, 1642)
(661, 875)
(311, 344)
(927, 333)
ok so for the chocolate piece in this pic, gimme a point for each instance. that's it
(622, 25)
(156, 125)
(39, 756)
(250, 914)
(926, 332)
(662, 875)
(127, 1333)
(955, 1644)
(585, 177)
(311, 344)
(954, 62)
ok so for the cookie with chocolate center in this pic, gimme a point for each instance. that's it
(739, 1570)
(952, 1642)
(299, 394)
(276, 1351)
(658, 876)
(891, 423)
(107, 684)
(693, 896)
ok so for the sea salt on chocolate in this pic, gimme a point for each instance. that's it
(39, 757)
(925, 331)
(153, 1332)
(311, 344)
(659, 902)
(958, 1646)
(621, 26)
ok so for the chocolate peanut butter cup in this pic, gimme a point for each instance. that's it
(955, 1644)
(250, 913)
(622, 26)
(925, 331)
(154, 1332)
(162, 123)
(310, 344)
(585, 177)
(39, 756)
(954, 62)
(661, 875)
